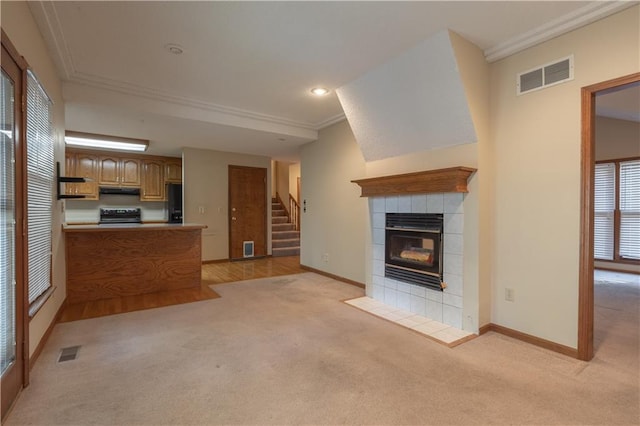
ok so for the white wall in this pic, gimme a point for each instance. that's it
(21, 29)
(206, 186)
(536, 162)
(336, 221)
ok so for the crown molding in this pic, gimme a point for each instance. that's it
(576, 19)
(45, 13)
(329, 121)
(157, 95)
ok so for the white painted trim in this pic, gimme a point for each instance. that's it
(576, 19)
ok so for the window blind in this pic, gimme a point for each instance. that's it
(40, 181)
(630, 209)
(604, 206)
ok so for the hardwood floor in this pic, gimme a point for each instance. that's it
(212, 273)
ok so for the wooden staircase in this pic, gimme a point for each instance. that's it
(285, 240)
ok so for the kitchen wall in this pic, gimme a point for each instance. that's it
(21, 29)
(206, 195)
(89, 211)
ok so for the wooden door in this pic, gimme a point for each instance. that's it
(247, 210)
(130, 172)
(14, 347)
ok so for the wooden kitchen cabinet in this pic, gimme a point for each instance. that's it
(86, 166)
(173, 171)
(119, 171)
(152, 185)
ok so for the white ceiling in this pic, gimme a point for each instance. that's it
(242, 83)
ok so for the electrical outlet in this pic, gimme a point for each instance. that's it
(325, 257)
(201, 209)
(509, 294)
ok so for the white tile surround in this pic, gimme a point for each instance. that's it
(442, 306)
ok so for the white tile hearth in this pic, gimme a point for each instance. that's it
(446, 334)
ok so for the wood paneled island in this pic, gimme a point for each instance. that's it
(106, 261)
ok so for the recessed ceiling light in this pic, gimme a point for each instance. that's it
(176, 49)
(319, 91)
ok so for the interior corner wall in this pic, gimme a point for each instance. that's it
(336, 221)
(536, 160)
(20, 27)
(474, 73)
(206, 195)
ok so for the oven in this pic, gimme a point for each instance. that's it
(120, 216)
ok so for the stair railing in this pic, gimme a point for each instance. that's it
(294, 212)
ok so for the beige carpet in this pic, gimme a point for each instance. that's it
(285, 350)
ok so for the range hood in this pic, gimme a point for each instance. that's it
(119, 190)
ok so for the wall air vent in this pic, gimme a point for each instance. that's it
(546, 75)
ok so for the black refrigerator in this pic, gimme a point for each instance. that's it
(174, 202)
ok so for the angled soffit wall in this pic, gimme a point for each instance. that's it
(412, 103)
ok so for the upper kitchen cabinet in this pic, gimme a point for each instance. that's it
(119, 171)
(152, 188)
(173, 170)
(83, 165)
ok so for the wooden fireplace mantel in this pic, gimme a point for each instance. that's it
(453, 179)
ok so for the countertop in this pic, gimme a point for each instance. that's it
(68, 227)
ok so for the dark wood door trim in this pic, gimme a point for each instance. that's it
(587, 171)
(15, 67)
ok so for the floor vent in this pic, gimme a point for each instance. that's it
(68, 354)
(544, 76)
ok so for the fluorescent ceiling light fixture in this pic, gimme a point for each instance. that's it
(89, 140)
(319, 91)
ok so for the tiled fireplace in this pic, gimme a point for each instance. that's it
(444, 306)
(434, 192)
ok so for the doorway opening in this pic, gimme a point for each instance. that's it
(586, 273)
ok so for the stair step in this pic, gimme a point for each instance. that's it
(279, 219)
(278, 213)
(275, 227)
(292, 251)
(284, 235)
(285, 243)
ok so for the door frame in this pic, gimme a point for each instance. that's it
(22, 303)
(587, 172)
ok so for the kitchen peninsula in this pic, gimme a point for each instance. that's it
(106, 261)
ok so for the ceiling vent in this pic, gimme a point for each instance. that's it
(546, 75)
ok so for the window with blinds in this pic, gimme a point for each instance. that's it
(40, 182)
(617, 210)
(604, 205)
(630, 210)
